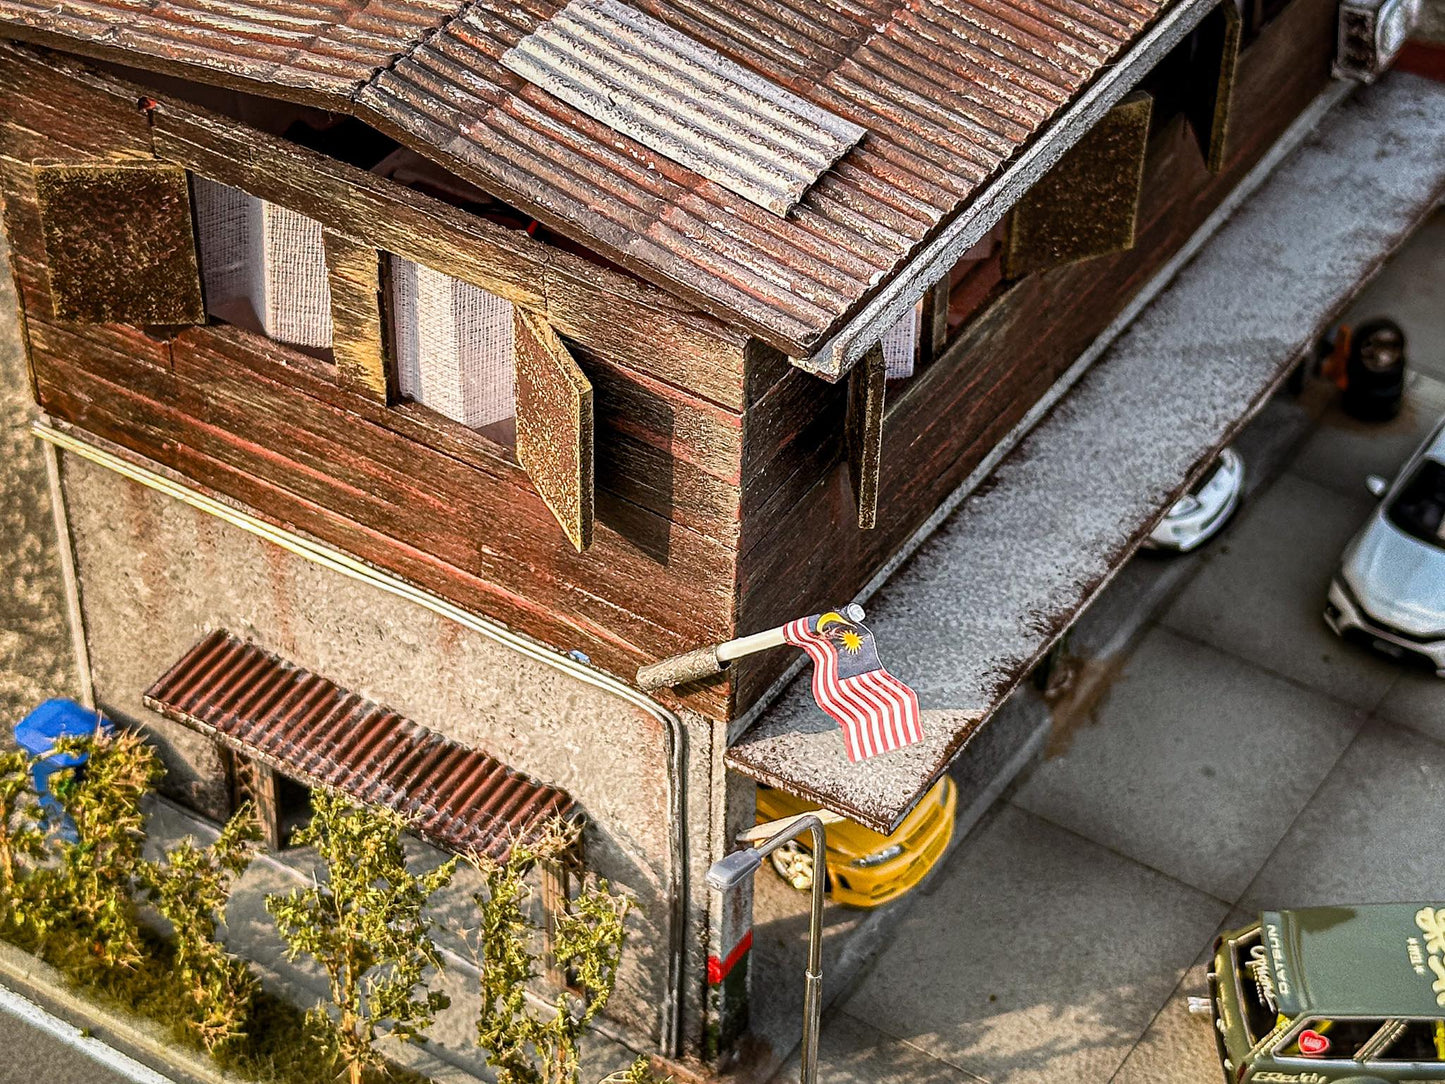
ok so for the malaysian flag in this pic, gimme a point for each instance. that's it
(878, 713)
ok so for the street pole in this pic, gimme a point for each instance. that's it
(731, 870)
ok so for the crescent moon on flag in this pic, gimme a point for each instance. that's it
(832, 617)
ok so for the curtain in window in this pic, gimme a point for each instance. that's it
(263, 266)
(900, 344)
(454, 345)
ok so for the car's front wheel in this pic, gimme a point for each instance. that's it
(794, 864)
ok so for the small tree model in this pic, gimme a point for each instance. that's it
(21, 837)
(526, 1047)
(364, 926)
(189, 887)
(91, 890)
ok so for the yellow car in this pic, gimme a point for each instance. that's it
(865, 869)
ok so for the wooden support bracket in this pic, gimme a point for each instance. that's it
(866, 393)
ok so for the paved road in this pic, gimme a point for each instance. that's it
(38, 1048)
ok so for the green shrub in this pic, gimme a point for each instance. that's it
(535, 1047)
(365, 926)
(189, 886)
(21, 838)
(90, 889)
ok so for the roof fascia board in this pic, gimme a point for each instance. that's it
(937, 257)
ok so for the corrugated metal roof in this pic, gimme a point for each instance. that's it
(315, 731)
(683, 100)
(322, 47)
(949, 92)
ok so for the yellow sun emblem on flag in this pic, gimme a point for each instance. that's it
(852, 642)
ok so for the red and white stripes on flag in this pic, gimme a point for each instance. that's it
(878, 713)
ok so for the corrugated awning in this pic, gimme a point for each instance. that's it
(1006, 574)
(312, 730)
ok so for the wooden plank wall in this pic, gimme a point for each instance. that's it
(400, 486)
(801, 550)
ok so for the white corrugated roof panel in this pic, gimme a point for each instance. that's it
(683, 100)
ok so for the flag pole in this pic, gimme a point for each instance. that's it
(713, 659)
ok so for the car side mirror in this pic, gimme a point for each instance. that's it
(1376, 485)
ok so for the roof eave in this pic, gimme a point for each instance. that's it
(855, 331)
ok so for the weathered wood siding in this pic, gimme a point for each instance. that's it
(801, 548)
(400, 486)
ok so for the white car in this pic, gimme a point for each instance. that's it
(1198, 515)
(1390, 590)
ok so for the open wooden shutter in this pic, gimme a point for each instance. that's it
(357, 341)
(119, 243)
(1210, 80)
(554, 425)
(867, 389)
(1087, 205)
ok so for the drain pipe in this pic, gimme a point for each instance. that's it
(337, 561)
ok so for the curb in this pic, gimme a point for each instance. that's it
(44, 984)
(151, 1042)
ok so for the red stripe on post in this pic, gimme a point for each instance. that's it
(717, 970)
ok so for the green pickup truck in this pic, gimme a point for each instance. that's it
(1332, 995)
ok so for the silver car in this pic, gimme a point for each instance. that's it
(1198, 516)
(1390, 590)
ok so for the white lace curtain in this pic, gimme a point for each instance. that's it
(262, 265)
(453, 344)
(900, 344)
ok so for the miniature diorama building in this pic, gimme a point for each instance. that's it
(420, 370)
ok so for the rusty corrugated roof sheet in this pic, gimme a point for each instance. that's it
(313, 730)
(949, 91)
(326, 48)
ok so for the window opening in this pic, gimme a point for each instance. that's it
(1419, 510)
(1417, 1040)
(1322, 1038)
(293, 807)
(453, 345)
(900, 344)
(263, 267)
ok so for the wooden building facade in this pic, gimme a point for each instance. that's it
(673, 450)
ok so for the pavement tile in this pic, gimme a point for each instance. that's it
(1342, 451)
(852, 1052)
(1416, 700)
(1260, 595)
(1179, 1048)
(1411, 290)
(1167, 772)
(1371, 833)
(1037, 958)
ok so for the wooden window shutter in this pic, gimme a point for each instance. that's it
(867, 390)
(119, 243)
(1210, 81)
(357, 341)
(554, 425)
(1087, 205)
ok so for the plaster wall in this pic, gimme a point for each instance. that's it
(156, 575)
(1432, 22)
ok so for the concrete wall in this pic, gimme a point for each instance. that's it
(157, 574)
